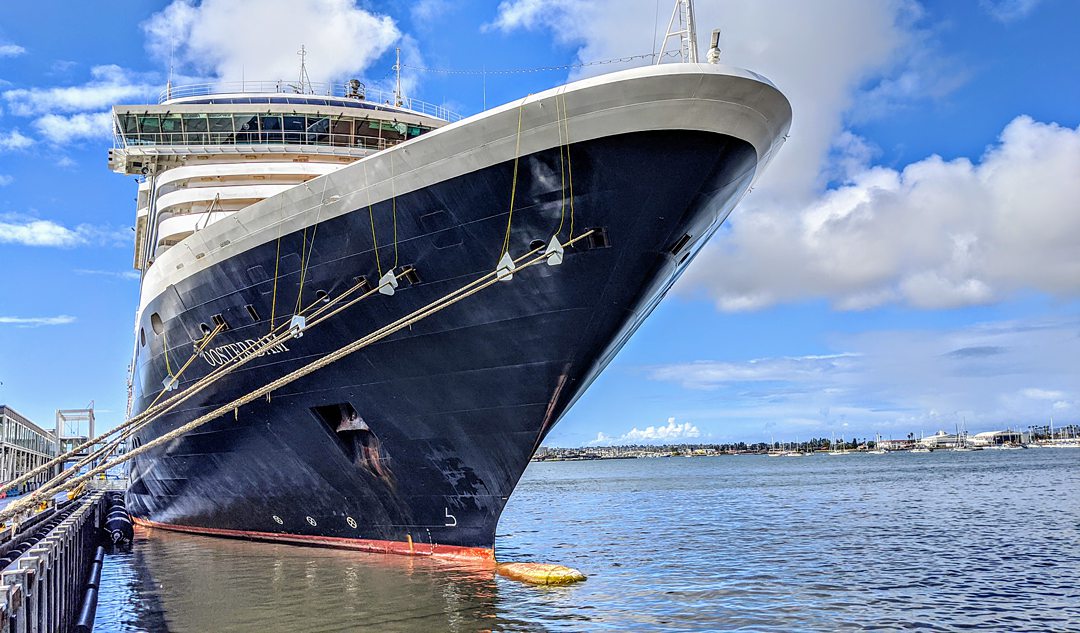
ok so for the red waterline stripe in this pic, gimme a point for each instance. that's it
(358, 544)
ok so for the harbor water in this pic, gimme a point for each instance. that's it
(941, 541)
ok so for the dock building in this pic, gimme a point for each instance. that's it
(23, 447)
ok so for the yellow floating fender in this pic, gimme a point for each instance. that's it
(540, 573)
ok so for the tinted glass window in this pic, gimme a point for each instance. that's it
(220, 123)
(149, 124)
(271, 127)
(247, 128)
(194, 123)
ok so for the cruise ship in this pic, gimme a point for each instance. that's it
(260, 202)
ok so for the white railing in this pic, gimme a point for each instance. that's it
(254, 139)
(359, 92)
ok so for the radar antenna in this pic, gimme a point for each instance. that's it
(681, 26)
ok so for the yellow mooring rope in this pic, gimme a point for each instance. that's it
(569, 163)
(277, 265)
(513, 185)
(371, 216)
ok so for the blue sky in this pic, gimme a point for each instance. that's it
(910, 260)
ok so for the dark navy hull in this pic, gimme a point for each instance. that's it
(453, 407)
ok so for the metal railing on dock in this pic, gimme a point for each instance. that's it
(42, 590)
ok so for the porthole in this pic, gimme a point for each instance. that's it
(205, 329)
(322, 296)
(536, 245)
(157, 324)
(142, 337)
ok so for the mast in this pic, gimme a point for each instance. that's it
(397, 71)
(681, 26)
(304, 82)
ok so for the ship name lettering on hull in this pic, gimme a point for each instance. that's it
(224, 353)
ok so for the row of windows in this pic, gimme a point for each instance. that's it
(227, 129)
(11, 432)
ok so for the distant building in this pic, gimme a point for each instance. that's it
(998, 438)
(941, 439)
(896, 445)
(23, 447)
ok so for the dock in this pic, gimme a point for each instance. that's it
(51, 563)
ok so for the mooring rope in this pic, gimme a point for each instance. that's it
(152, 412)
(464, 292)
(513, 185)
(59, 459)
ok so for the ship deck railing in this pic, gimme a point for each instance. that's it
(307, 93)
(252, 139)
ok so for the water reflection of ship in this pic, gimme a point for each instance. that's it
(174, 581)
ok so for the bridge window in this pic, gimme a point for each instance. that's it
(195, 129)
(318, 130)
(343, 129)
(293, 126)
(271, 128)
(247, 128)
(221, 128)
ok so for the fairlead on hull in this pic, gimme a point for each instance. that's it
(412, 444)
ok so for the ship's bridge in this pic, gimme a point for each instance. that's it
(206, 151)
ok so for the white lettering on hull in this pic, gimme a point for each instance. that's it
(224, 353)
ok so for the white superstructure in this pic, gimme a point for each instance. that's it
(206, 151)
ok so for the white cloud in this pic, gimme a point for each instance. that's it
(24, 231)
(62, 319)
(118, 274)
(894, 382)
(1006, 11)
(257, 39)
(14, 140)
(424, 12)
(1042, 394)
(935, 234)
(6, 180)
(819, 57)
(11, 50)
(667, 434)
(62, 129)
(709, 374)
(109, 84)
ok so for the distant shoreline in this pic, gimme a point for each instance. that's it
(546, 454)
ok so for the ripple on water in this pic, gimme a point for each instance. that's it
(937, 542)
